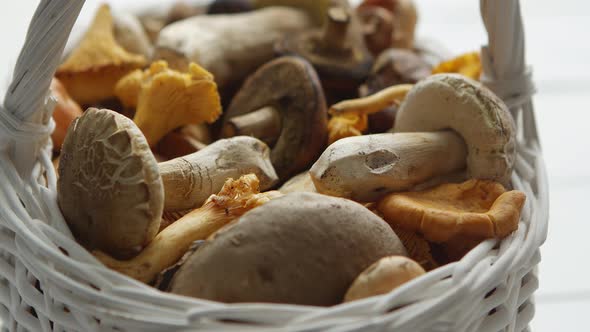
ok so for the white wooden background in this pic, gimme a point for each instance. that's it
(558, 49)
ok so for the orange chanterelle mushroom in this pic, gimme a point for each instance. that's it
(92, 69)
(167, 99)
(475, 208)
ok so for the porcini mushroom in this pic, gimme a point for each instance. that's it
(111, 189)
(167, 99)
(65, 111)
(94, 67)
(229, 46)
(364, 168)
(235, 198)
(337, 52)
(367, 167)
(301, 248)
(282, 103)
(476, 209)
(452, 101)
(383, 276)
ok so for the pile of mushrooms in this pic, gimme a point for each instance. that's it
(283, 151)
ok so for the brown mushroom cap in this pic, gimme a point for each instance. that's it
(302, 248)
(291, 86)
(109, 186)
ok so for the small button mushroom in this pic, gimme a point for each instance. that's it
(229, 46)
(167, 99)
(405, 19)
(283, 104)
(94, 67)
(301, 248)
(235, 198)
(443, 116)
(130, 35)
(337, 52)
(65, 111)
(477, 209)
(111, 189)
(383, 276)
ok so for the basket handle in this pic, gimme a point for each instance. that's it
(503, 59)
(25, 116)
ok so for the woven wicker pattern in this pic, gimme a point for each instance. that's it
(49, 283)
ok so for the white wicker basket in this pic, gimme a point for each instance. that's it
(49, 283)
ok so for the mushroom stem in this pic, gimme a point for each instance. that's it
(235, 198)
(335, 30)
(373, 103)
(364, 168)
(264, 124)
(189, 180)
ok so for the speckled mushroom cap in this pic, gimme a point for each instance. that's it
(452, 101)
(109, 187)
(302, 248)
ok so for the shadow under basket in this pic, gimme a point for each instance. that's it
(49, 283)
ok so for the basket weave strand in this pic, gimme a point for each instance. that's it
(49, 283)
